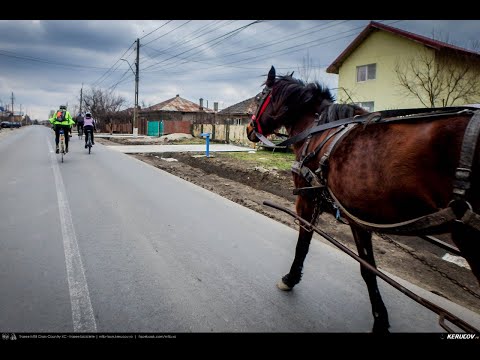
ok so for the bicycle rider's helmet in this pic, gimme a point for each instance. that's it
(88, 114)
(63, 107)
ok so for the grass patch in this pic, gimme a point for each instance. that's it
(265, 158)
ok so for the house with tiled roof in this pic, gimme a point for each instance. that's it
(178, 104)
(177, 114)
(239, 113)
(375, 67)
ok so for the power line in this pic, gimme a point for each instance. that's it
(200, 32)
(11, 54)
(156, 29)
(168, 32)
(110, 69)
(219, 37)
(260, 46)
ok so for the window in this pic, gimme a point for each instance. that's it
(367, 105)
(366, 72)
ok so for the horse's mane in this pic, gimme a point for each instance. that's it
(339, 111)
(294, 97)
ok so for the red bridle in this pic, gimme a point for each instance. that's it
(255, 118)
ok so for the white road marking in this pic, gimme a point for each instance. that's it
(82, 312)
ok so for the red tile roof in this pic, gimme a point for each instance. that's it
(373, 26)
(178, 104)
(245, 107)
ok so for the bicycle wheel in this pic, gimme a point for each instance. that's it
(89, 141)
(62, 143)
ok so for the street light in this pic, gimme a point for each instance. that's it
(136, 97)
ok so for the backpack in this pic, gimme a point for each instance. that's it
(60, 115)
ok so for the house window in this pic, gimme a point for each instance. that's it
(367, 105)
(366, 72)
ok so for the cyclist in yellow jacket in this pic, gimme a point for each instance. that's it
(62, 119)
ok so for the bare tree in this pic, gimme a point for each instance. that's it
(102, 104)
(439, 79)
(307, 72)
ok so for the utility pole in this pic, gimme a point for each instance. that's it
(135, 72)
(81, 98)
(12, 101)
(135, 128)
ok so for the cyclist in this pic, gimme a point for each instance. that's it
(89, 124)
(79, 121)
(62, 119)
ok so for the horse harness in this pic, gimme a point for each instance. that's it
(458, 210)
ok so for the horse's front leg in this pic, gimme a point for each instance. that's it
(307, 210)
(363, 240)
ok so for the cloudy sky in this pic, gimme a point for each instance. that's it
(46, 63)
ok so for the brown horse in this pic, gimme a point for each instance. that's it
(402, 172)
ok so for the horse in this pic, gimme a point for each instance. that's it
(407, 172)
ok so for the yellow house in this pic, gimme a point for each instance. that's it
(387, 68)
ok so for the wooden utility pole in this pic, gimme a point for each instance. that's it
(135, 72)
(81, 98)
(135, 128)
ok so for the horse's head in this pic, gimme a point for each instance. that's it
(285, 101)
(263, 99)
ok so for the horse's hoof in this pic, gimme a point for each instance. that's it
(381, 330)
(282, 286)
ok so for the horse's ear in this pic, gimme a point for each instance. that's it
(271, 77)
(291, 75)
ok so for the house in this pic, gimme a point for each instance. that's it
(178, 115)
(240, 113)
(378, 65)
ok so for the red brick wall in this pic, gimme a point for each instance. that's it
(170, 127)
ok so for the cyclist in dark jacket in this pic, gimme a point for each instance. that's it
(79, 121)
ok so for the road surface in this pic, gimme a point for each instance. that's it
(107, 243)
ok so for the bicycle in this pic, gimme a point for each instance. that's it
(61, 143)
(89, 139)
(80, 131)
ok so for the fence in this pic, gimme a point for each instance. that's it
(226, 133)
(236, 134)
(118, 128)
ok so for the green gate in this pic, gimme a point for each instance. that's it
(155, 128)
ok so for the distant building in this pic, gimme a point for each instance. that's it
(240, 113)
(177, 113)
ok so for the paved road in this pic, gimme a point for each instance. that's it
(104, 242)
